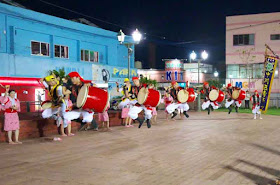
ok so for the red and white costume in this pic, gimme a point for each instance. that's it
(77, 113)
(11, 116)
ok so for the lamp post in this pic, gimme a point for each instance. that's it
(216, 74)
(136, 35)
(204, 56)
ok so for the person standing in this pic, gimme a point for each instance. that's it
(247, 100)
(12, 107)
(256, 105)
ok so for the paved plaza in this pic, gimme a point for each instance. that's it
(217, 149)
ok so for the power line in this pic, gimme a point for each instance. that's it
(121, 26)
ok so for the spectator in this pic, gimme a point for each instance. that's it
(12, 107)
(247, 100)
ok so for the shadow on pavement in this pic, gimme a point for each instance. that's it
(268, 170)
(277, 152)
(255, 178)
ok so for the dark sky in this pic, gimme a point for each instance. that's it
(200, 21)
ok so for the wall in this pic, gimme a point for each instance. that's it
(19, 26)
(262, 25)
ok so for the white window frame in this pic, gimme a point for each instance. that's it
(40, 49)
(60, 51)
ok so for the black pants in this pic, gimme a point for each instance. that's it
(247, 104)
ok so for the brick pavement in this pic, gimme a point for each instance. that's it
(216, 149)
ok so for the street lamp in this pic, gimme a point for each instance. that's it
(137, 36)
(216, 74)
(204, 56)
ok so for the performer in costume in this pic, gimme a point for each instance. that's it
(11, 107)
(55, 93)
(230, 101)
(208, 104)
(171, 109)
(137, 108)
(127, 93)
(77, 83)
(167, 101)
(256, 104)
(127, 101)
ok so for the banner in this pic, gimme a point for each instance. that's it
(269, 70)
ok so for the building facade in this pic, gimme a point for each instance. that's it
(177, 70)
(246, 36)
(33, 43)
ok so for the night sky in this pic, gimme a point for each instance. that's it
(174, 28)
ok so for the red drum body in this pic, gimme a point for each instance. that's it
(191, 97)
(242, 95)
(238, 95)
(93, 98)
(216, 95)
(46, 104)
(221, 96)
(152, 98)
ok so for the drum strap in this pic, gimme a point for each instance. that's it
(53, 92)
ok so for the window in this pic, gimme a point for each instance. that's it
(246, 39)
(88, 55)
(275, 37)
(253, 71)
(40, 48)
(61, 51)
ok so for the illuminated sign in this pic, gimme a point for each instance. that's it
(245, 85)
(173, 65)
(177, 75)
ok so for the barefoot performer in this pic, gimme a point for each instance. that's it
(11, 107)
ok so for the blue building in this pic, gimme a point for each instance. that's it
(33, 43)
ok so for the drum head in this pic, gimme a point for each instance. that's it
(183, 96)
(82, 96)
(46, 105)
(213, 95)
(142, 96)
(235, 94)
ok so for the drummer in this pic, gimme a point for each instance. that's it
(208, 104)
(55, 93)
(137, 108)
(77, 83)
(171, 109)
(230, 101)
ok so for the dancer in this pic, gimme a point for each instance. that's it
(167, 101)
(137, 108)
(77, 83)
(12, 107)
(66, 107)
(171, 109)
(104, 118)
(208, 104)
(55, 94)
(230, 101)
(127, 101)
(256, 105)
